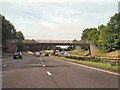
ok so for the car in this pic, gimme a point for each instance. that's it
(47, 54)
(17, 55)
(37, 54)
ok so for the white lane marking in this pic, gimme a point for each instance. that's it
(43, 65)
(4, 65)
(13, 62)
(42, 62)
(49, 73)
(95, 68)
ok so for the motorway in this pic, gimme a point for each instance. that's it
(49, 72)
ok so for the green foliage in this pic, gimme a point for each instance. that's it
(112, 38)
(103, 65)
(71, 48)
(57, 48)
(9, 31)
(91, 34)
(105, 37)
(19, 35)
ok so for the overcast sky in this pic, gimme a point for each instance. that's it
(63, 20)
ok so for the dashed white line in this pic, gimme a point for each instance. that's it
(4, 65)
(49, 73)
(43, 65)
(42, 62)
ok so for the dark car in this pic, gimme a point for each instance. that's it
(17, 55)
(47, 54)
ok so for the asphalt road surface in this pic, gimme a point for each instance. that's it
(49, 72)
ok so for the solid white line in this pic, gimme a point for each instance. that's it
(4, 65)
(49, 73)
(43, 65)
(95, 69)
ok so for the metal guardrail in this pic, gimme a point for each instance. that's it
(94, 58)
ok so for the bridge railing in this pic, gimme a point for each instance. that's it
(63, 41)
(51, 41)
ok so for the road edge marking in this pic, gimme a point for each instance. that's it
(106, 71)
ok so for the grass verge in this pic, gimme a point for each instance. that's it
(102, 65)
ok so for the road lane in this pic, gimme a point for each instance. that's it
(30, 73)
(68, 75)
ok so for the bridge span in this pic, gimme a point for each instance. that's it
(56, 42)
(13, 44)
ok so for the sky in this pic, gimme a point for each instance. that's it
(57, 20)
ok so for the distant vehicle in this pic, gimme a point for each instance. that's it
(33, 54)
(57, 52)
(17, 55)
(47, 54)
(37, 54)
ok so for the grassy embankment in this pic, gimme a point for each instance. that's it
(103, 65)
(114, 54)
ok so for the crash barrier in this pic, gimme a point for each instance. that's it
(113, 61)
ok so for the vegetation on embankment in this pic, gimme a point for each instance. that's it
(102, 65)
(82, 52)
(113, 54)
(105, 37)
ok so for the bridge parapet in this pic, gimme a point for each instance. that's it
(63, 41)
(13, 41)
(50, 41)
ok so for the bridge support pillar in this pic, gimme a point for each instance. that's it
(78, 48)
(11, 47)
(93, 49)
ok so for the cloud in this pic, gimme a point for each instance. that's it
(53, 20)
(59, 1)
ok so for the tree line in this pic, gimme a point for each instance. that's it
(9, 32)
(105, 37)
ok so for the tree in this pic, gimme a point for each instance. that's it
(8, 31)
(106, 37)
(70, 48)
(112, 38)
(91, 34)
(19, 35)
(102, 29)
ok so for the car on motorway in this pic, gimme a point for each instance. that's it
(47, 54)
(17, 55)
(37, 54)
